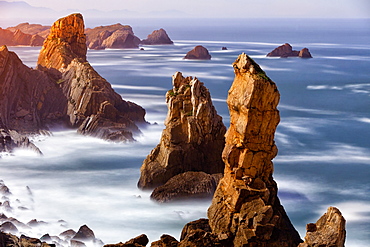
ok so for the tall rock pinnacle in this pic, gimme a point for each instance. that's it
(193, 139)
(245, 207)
(66, 41)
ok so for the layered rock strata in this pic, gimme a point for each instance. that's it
(193, 128)
(157, 37)
(199, 52)
(92, 104)
(286, 50)
(329, 230)
(245, 208)
(112, 36)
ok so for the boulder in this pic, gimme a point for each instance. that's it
(329, 230)
(201, 224)
(199, 52)
(165, 241)
(84, 234)
(245, 207)
(187, 185)
(193, 128)
(138, 241)
(157, 37)
(286, 50)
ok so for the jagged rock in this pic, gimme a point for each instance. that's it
(4, 190)
(30, 100)
(157, 37)
(245, 207)
(92, 103)
(84, 234)
(68, 234)
(35, 223)
(165, 241)
(138, 241)
(329, 230)
(286, 50)
(112, 36)
(8, 227)
(201, 224)
(193, 128)
(76, 243)
(187, 185)
(199, 52)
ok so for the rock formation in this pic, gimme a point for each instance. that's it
(92, 104)
(187, 185)
(32, 29)
(113, 36)
(245, 207)
(286, 50)
(329, 230)
(17, 37)
(139, 241)
(199, 52)
(157, 37)
(193, 128)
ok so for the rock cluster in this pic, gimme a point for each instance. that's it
(17, 37)
(112, 36)
(199, 52)
(157, 37)
(193, 128)
(286, 50)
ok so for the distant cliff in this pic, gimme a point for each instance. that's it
(17, 37)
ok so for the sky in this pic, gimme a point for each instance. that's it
(223, 8)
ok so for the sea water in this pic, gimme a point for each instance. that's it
(323, 136)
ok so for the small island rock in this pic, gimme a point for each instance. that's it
(199, 52)
(157, 37)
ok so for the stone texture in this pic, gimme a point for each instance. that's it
(199, 52)
(328, 231)
(165, 241)
(187, 185)
(157, 37)
(112, 36)
(138, 241)
(193, 128)
(9, 240)
(17, 37)
(286, 50)
(32, 29)
(245, 207)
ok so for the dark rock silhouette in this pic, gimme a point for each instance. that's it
(157, 37)
(286, 50)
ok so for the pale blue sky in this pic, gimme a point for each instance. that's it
(224, 8)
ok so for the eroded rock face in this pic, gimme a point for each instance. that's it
(245, 207)
(199, 52)
(157, 37)
(329, 230)
(286, 50)
(187, 185)
(193, 128)
(92, 105)
(112, 36)
(32, 29)
(17, 37)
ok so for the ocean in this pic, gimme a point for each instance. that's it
(323, 136)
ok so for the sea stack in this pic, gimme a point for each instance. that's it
(193, 139)
(199, 52)
(157, 37)
(93, 106)
(245, 209)
(286, 50)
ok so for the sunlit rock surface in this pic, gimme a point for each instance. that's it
(245, 208)
(199, 53)
(193, 138)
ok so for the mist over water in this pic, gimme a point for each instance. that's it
(323, 136)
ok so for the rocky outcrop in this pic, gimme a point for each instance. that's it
(32, 29)
(112, 36)
(193, 128)
(157, 37)
(187, 185)
(245, 207)
(329, 230)
(92, 106)
(286, 50)
(199, 52)
(139, 241)
(29, 99)
(17, 37)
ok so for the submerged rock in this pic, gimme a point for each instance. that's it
(245, 207)
(157, 37)
(187, 185)
(199, 52)
(329, 230)
(193, 128)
